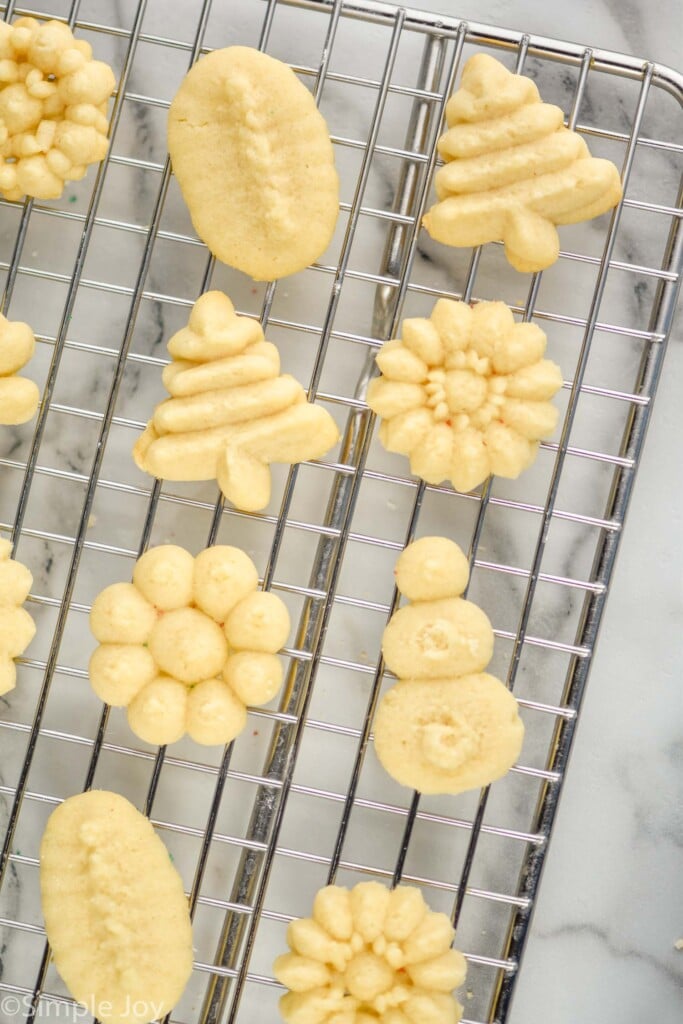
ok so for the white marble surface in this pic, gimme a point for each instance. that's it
(610, 908)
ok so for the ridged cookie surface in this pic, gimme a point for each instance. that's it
(368, 955)
(254, 162)
(465, 393)
(512, 170)
(115, 911)
(231, 413)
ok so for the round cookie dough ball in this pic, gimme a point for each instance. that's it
(17, 629)
(119, 671)
(214, 714)
(438, 639)
(121, 615)
(448, 736)
(259, 623)
(188, 645)
(159, 712)
(15, 582)
(254, 676)
(164, 575)
(431, 568)
(223, 576)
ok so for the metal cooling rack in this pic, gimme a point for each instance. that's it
(251, 859)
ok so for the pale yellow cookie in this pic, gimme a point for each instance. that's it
(188, 644)
(19, 397)
(371, 954)
(254, 162)
(53, 108)
(434, 639)
(448, 735)
(116, 915)
(17, 628)
(465, 393)
(445, 727)
(513, 171)
(230, 413)
(431, 568)
(438, 634)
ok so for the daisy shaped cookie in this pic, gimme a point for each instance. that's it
(53, 108)
(188, 644)
(371, 954)
(465, 393)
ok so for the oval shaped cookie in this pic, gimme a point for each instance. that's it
(449, 735)
(115, 911)
(254, 162)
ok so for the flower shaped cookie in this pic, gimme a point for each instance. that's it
(53, 108)
(19, 397)
(447, 726)
(188, 644)
(231, 413)
(512, 170)
(465, 393)
(371, 954)
(17, 628)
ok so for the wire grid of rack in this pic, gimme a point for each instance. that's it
(299, 799)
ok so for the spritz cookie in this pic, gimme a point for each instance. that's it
(371, 954)
(231, 413)
(19, 397)
(254, 161)
(465, 393)
(53, 108)
(512, 170)
(446, 726)
(188, 644)
(17, 628)
(115, 911)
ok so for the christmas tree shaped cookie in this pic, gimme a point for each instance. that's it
(447, 726)
(231, 413)
(512, 170)
(19, 396)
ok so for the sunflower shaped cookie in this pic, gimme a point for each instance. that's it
(53, 108)
(17, 628)
(19, 396)
(188, 644)
(512, 170)
(371, 954)
(230, 413)
(465, 393)
(447, 726)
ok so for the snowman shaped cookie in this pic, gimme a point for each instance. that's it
(446, 726)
